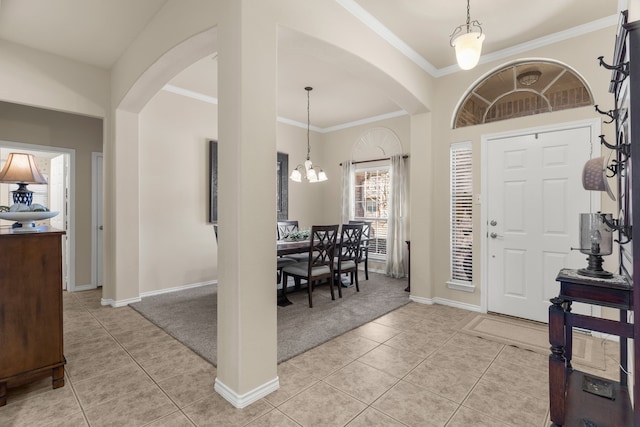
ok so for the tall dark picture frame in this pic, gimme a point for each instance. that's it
(213, 181)
(282, 184)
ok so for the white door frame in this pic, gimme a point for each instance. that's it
(594, 124)
(96, 205)
(71, 225)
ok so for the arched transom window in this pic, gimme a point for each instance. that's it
(523, 89)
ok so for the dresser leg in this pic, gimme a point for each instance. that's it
(3, 394)
(557, 362)
(58, 377)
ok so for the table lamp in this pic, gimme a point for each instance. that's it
(21, 169)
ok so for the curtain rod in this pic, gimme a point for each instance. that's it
(405, 156)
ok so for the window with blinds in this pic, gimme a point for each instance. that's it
(371, 203)
(461, 213)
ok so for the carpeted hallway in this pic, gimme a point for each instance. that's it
(410, 367)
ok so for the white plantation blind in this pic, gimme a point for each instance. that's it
(371, 203)
(461, 213)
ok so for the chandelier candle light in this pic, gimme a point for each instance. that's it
(311, 173)
(468, 45)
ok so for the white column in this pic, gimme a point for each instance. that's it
(247, 335)
(121, 212)
(421, 190)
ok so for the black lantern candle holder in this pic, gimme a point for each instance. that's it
(596, 240)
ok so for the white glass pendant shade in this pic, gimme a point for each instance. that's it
(322, 176)
(296, 176)
(311, 175)
(468, 49)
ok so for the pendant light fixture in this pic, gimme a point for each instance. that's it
(311, 173)
(468, 45)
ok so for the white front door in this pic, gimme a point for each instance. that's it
(534, 198)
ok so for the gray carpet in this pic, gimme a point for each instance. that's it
(190, 315)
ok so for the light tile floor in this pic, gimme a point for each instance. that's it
(410, 367)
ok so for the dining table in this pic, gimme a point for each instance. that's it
(288, 247)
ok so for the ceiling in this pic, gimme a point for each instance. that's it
(98, 31)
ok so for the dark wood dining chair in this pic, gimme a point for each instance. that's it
(347, 255)
(319, 265)
(286, 227)
(364, 245)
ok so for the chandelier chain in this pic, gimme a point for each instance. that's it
(468, 17)
(308, 89)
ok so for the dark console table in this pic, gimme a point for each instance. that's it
(578, 399)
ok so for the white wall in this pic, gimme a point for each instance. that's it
(40, 79)
(177, 244)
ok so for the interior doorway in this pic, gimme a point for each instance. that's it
(96, 219)
(533, 197)
(57, 165)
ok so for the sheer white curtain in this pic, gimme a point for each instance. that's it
(396, 231)
(348, 175)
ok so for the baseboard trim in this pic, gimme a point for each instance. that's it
(178, 288)
(243, 400)
(119, 303)
(458, 304)
(421, 300)
(122, 303)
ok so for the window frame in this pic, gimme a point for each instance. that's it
(375, 255)
(461, 216)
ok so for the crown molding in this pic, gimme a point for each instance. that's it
(377, 27)
(190, 94)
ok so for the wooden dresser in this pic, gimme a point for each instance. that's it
(30, 307)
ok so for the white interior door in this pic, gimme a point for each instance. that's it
(97, 215)
(58, 202)
(534, 196)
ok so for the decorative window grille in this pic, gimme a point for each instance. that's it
(371, 203)
(461, 213)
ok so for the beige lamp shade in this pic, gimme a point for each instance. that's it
(21, 167)
(594, 176)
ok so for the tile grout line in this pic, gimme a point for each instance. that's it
(141, 367)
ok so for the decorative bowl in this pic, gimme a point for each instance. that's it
(27, 217)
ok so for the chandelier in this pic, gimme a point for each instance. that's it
(468, 45)
(311, 173)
